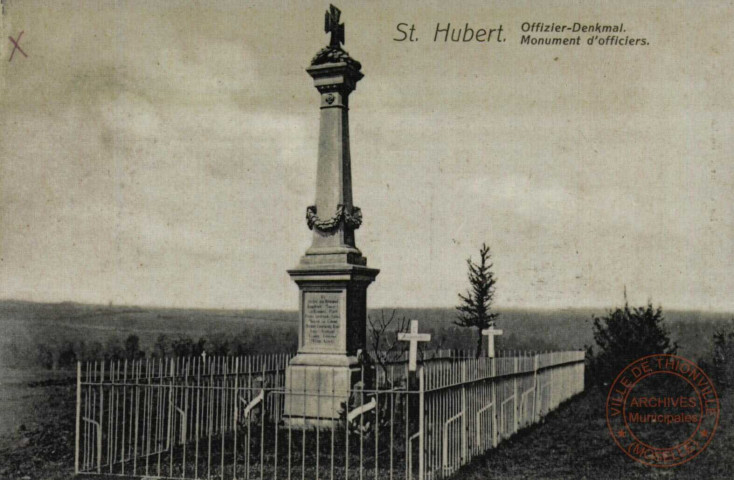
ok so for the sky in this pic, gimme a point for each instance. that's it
(163, 153)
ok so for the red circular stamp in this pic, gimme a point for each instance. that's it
(662, 410)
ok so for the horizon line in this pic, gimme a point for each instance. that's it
(435, 307)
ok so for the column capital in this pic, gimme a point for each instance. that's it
(339, 77)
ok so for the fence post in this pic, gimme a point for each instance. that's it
(169, 425)
(464, 431)
(536, 393)
(553, 380)
(493, 391)
(101, 417)
(421, 422)
(78, 415)
(515, 400)
(235, 414)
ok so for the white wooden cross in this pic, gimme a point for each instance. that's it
(413, 337)
(490, 333)
(203, 355)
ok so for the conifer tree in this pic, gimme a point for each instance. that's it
(474, 309)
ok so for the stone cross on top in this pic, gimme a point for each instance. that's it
(413, 337)
(490, 333)
(332, 25)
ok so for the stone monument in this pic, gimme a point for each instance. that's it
(332, 276)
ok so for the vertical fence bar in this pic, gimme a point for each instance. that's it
(171, 412)
(361, 425)
(209, 414)
(377, 431)
(392, 421)
(101, 418)
(276, 418)
(197, 423)
(515, 399)
(222, 414)
(421, 421)
(110, 425)
(137, 371)
(124, 418)
(408, 397)
(333, 422)
(464, 413)
(235, 416)
(496, 411)
(262, 426)
(290, 424)
(78, 415)
(318, 420)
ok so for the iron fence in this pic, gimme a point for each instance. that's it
(224, 417)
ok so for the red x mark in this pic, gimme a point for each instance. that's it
(16, 47)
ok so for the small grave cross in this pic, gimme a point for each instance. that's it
(413, 337)
(203, 355)
(490, 333)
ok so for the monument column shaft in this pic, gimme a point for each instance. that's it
(333, 218)
(334, 174)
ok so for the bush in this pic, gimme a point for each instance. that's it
(162, 347)
(113, 349)
(182, 346)
(218, 345)
(624, 335)
(67, 355)
(723, 358)
(132, 348)
(45, 357)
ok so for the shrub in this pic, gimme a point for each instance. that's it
(723, 357)
(113, 349)
(182, 346)
(624, 335)
(132, 348)
(162, 347)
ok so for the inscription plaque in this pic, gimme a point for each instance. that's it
(321, 319)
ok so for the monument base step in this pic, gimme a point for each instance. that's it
(317, 395)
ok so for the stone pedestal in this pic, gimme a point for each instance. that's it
(333, 314)
(332, 276)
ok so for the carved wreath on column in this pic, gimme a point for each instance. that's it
(352, 217)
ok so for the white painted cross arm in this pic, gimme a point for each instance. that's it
(490, 333)
(413, 337)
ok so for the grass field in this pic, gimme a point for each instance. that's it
(40, 444)
(574, 443)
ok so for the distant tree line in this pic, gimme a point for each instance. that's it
(64, 354)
